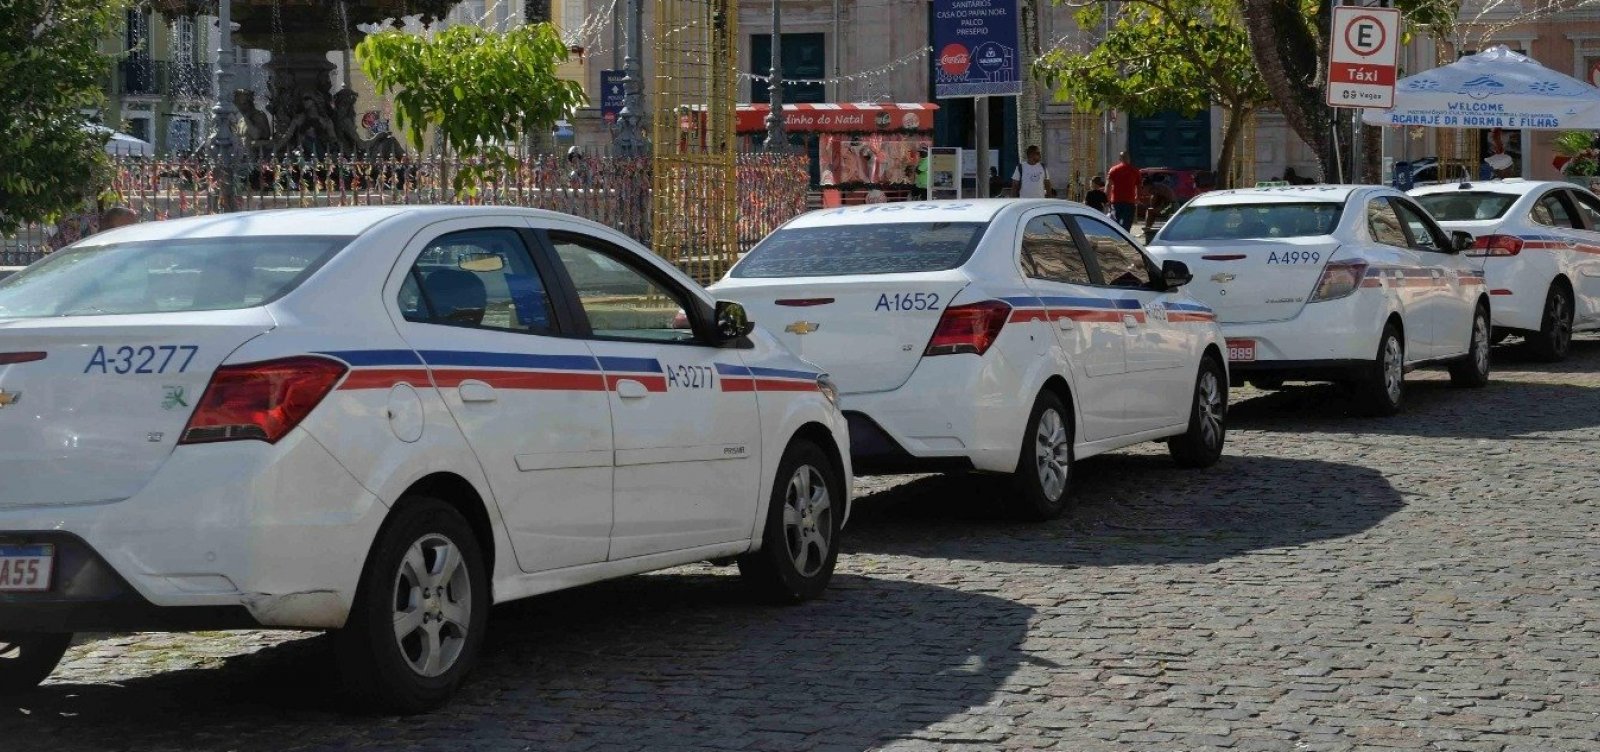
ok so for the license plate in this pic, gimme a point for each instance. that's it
(26, 569)
(1241, 350)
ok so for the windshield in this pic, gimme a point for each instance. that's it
(1466, 206)
(862, 249)
(164, 276)
(1251, 221)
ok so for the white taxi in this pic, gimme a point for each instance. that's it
(381, 421)
(1539, 243)
(1003, 336)
(1352, 284)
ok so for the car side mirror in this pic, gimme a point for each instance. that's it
(1175, 274)
(731, 321)
(1461, 240)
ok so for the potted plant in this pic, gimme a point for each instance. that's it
(1583, 160)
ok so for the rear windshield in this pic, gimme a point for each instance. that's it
(165, 276)
(862, 249)
(1251, 221)
(1466, 206)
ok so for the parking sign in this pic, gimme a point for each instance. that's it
(1364, 55)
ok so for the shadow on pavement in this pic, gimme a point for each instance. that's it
(664, 661)
(1434, 409)
(1132, 509)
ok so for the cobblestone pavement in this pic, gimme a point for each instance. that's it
(1427, 581)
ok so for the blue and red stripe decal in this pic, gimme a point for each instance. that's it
(1108, 310)
(736, 378)
(383, 369)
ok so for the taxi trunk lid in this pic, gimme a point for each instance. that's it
(94, 405)
(1251, 281)
(868, 333)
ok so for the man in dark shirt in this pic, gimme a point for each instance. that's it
(1096, 198)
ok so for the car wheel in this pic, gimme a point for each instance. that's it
(800, 541)
(1554, 339)
(1472, 369)
(1383, 388)
(1266, 383)
(1042, 483)
(26, 658)
(420, 611)
(1201, 445)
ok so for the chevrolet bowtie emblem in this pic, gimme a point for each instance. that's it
(802, 327)
(1222, 278)
(9, 398)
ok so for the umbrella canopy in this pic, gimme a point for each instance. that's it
(121, 144)
(1496, 88)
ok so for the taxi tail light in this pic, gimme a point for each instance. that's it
(1339, 279)
(969, 328)
(1496, 245)
(260, 401)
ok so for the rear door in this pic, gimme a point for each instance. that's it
(532, 404)
(1586, 260)
(1083, 322)
(1406, 274)
(1159, 383)
(1453, 294)
(688, 444)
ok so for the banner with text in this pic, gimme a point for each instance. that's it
(975, 49)
(612, 94)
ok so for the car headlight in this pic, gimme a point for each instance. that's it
(828, 389)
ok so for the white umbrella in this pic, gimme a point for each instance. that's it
(121, 144)
(1496, 88)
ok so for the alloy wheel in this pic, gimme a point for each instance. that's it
(1052, 451)
(432, 605)
(1480, 343)
(1560, 313)
(1209, 402)
(1393, 368)
(808, 520)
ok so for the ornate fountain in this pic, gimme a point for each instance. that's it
(302, 115)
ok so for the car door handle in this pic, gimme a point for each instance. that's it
(630, 389)
(1131, 321)
(473, 390)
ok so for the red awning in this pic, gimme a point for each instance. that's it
(841, 118)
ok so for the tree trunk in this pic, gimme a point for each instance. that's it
(1290, 55)
(1030, 126)
(1230, 143)
(1372, 154)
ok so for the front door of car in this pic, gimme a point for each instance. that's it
(1586, 259)
(1073, 315)
(1160, 351)
(1404, 274)
(532, 404)
(687, 446)
(1453, 293)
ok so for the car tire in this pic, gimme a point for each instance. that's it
(800, 540)
(26, 658)
(1381, 391)
(1201, 445)
(426, 568)
(1554, 339)
(1472, 370)
(1042, 482)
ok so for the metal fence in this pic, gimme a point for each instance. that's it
(614, 191)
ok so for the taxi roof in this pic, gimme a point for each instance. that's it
(943, 210)
(1289, 194)
(1508, 186)
(332, 221)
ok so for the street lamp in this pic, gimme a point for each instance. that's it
(776, 140)
(630, 140)
(222, 106)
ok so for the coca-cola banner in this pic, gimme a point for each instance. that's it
(975, 50)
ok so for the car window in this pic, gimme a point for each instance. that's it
(1423, 234)
(620, 301)
(1588, 208)
(1049, 253)
(477, 278)
(1251, 221)
(165, 276)
(1385, 224)
(1551, 211)
(1120, 261)
(884, 248)
(1467, 206)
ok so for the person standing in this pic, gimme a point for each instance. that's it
(1096, 198)
(1159, 197)
(1030, 179)
(1124, 180)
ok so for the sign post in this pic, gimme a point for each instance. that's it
(1363, 59)
(977, 54)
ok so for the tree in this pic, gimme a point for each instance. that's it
(478, 90)
(1158, 55)
(50, 70)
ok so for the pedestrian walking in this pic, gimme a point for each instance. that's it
(1096, 198)
(1031, 179)
(1124, 180)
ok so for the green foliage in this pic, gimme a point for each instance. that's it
(1161, 55)
(478, 90)
(51, 67)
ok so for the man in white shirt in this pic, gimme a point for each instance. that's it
(1030, 180)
